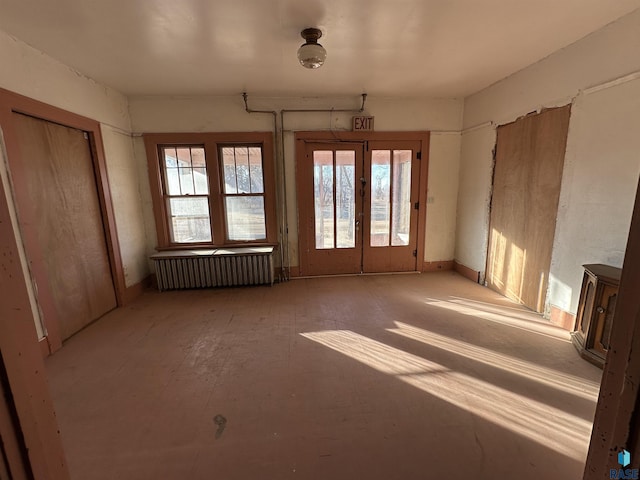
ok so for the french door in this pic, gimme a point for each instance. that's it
(357, 209)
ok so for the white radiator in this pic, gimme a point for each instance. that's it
(214, 268)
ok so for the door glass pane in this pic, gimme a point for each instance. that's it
(245, 218)
(380, 201)
(190, 219)
(401, 208)
(323, 198)
(345, 199)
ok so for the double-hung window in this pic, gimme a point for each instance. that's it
(243, 192)
(212, 189)
(186, 193)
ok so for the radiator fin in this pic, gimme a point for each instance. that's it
(218, 268)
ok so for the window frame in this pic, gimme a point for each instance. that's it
(212, 144)
(225, 195)
(166, 196)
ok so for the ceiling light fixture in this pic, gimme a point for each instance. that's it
(311, 54)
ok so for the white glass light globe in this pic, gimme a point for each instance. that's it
(312, 55)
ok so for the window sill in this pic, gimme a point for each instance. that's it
(218, 252)
(214, 246)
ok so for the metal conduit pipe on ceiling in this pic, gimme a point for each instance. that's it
(280, 156)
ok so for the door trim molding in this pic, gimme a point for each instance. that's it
(423, 137)
(11, 103)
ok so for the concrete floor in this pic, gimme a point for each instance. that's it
(376, 377)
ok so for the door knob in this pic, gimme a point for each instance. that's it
(600, 309)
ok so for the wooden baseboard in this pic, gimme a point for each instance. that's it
(466, 272)
(134, 291)
(44, 347)
(294, 271)
(437, 266)
(562, 319)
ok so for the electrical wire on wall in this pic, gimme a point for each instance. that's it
(285, 256)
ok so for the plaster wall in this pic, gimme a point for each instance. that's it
(599, 181)
(124, 181)
(444, 165)
(474, 197)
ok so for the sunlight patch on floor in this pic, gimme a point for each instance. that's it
(544, 424)
(546, 376)
(494, 314)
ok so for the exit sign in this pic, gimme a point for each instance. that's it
(362, 124)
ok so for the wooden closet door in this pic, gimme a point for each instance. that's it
(62, 186)
(526, 189)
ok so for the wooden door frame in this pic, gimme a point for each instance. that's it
(305, 201)
(369, 252)
(11, 103)
(29, 423)
(303, 137)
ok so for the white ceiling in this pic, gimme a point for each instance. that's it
(440, 48)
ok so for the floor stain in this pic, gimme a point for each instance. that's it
(221, 422)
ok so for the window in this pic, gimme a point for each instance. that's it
(243, 193)
(212, 189)
(186, 193)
